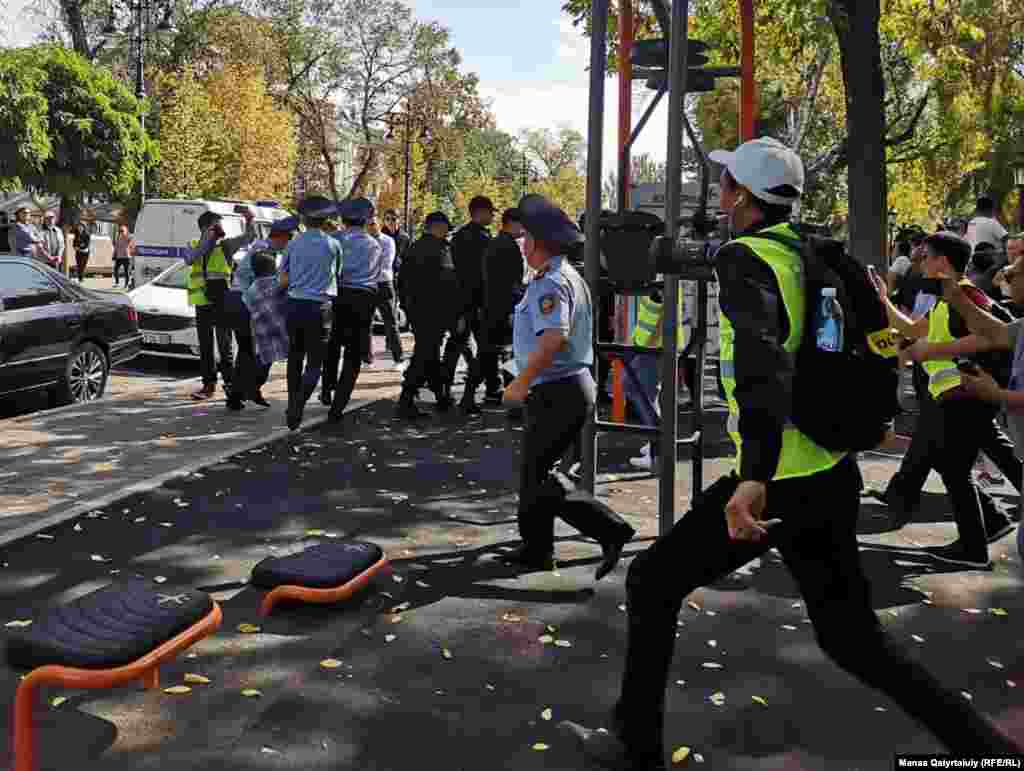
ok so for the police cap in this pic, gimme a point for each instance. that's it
(545, 221)
(207, 218)
(437, 216)
(355, 209)
(317, 207)
(285, 225)
(481, 202)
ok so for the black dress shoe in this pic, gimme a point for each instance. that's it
(325, 397)
(530, 559)
(258, 398)
(235, 404)
(293, 417)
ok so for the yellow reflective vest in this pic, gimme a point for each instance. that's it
(943, 374)
(216, 265)
(800, 455)
(649, 313)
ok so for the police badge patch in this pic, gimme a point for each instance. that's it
(548, 303)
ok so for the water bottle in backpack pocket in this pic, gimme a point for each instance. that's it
(829, 322)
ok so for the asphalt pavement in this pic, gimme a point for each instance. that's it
(442, 663)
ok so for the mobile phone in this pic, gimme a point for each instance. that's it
(931, 286)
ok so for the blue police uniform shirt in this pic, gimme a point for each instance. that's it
(557, 299)
(310, 260)
(361, 267)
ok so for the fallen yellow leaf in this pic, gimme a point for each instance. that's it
(680, 755)
(19, 623)
(330, 663)
(545, 639)
(314, 532)
(389, 637)
(178, 689)
(546, 714)
(58, 701)
(563, 643)
(446, 653)
(540, 746)
(199, 679)
(759, 700)
(998, 612)
(552, 629)
(251, 693)
(717, 698)
(248, 628)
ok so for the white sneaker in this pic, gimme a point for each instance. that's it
(642, 462)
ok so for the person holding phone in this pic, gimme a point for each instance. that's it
(953, 427)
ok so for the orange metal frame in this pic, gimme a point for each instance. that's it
(145, 670)
(322, 596)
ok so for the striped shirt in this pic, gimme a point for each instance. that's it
(310, 260)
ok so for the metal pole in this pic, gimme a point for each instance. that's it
(408, 169)
(625, 99)
(140, 86)
(673, 191)
(592, 253)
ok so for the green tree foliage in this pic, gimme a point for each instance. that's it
(68, 126)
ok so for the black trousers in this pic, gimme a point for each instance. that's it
(81, 262)
(946, 433)
(492, 333)
(820, 548)
(458, 345)
(122, 265)
(386, 305)
(307, 343)
(211, 324)
(249, 374)
(555, 414)
(353, 316)
(425, 368)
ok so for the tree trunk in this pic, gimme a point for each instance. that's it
(359, 182)
(75, 22)
(856, 26)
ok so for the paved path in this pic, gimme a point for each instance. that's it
(52, 463)
(440, 498)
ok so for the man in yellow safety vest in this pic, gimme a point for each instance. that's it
(642, 381)
(786, 492)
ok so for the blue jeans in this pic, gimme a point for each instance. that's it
(646, 368)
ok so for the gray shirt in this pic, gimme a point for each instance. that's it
(1015, 418)
(53, 237)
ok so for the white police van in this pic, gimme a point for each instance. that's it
(166, 228)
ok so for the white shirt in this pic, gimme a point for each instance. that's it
(387, 257)
(985, 230)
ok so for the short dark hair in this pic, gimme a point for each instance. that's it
(985, 204)
(511, 215)
(354, 222)
(391, 213)
(951, 246)
(264, 264)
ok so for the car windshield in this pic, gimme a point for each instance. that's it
(176, 278)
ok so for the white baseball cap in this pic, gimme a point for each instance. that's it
(763, 164)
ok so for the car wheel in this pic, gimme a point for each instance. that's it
(85, 377)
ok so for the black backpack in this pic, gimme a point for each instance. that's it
(842, 400)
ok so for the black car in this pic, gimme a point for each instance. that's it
(57, 335)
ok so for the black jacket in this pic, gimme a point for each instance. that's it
(427, 278)
(502, 275)
(401, 239)
(468, 246)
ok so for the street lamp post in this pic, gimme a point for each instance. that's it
(408, 168)
(140, 9)
(1018, 180)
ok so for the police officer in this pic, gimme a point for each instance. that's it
(502, 272)
(358, 272)
(554, 351)
(468, 246)
(208, 278)
(786, 492)
(309, 272)
(250, 375)
(430, 294)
